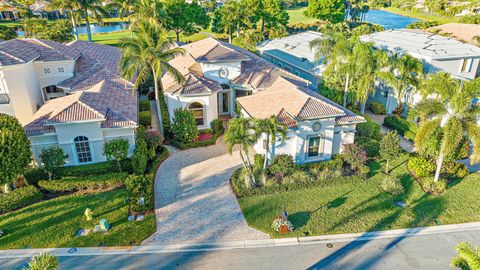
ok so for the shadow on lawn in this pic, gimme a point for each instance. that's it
(425, 209)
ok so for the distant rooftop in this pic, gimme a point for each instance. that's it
(461, 31)
(421, 44)
(294, 49)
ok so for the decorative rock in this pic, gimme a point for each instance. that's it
(1, 233)
(401, 204)
(131, 218)
(82, 232)
(140, 218)
(104, 226)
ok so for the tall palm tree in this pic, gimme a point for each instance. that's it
(90, 8)
(404, 73)
(147, 54)
(272, 128)
(457, 119)
(468, 257)
(66, 6)
(241, 132)
(152, 11)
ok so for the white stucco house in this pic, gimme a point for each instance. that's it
(437, 53)
(222, 79)
(68, 95)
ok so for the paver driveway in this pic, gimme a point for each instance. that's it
(194, 202)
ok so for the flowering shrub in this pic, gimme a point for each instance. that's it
(282, 225)
(203, 137)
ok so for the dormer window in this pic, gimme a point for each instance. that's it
(46, 70)
(61, 70)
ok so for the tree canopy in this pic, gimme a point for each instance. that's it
(186, 18)
(331, 10)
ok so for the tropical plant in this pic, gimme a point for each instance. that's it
(392, 184)
(389, 147)
(184, 126)
(241, 132)
(59, 30)
(68, 6)
(150, 11)
(45, 261)
(468, 257)
(52, 158)
(273, 129)
(248, 40)
(147, 54)
(89, 8)
(15, 152)
(116, 149)
(183, 17)
(458, 118)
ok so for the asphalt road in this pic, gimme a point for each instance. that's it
(416, 252)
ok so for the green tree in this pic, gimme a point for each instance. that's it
(184, 126)
(15, 152)
(66, 6)
(53, 158)
(457, 119)
(468, 257)
(390, 148)
(116, 149)
(151, 11)
(241, 132)
(331, 10)
(59, 30)
(231, 17)
(147, 54)
(273, 129)
(89, 8)
(7, 33)
(44, 261)
(185, 18)
(248, 40)
(140, 157)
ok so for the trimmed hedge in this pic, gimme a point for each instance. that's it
(377, 107)
(369, 129)
(19, 198)
(96, 169)
(371, 146)
(144, 105)
(36, 174)
(94, 182)
(153, 164)
(145, 118)
(404, 127)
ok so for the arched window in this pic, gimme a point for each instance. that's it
(197, 109)
(83, 149)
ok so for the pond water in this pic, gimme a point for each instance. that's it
(110, 27)
(388, 20)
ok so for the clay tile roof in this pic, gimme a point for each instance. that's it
(285, 118)
(195, 85)
(220, 53)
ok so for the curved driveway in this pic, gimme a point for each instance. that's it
(194, 202)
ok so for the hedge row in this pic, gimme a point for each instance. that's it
(155, 162)
(144, 105)
(404, 128)
(94, 182)
(19, 198)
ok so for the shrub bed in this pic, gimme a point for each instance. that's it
(144, 105)
(145, 118)
(96, 169)
(94, 182)
(369, 129)
(377, 107)
(421, 167)
(404, 127)
(205, 137)
(19, 198)
(371, 146)
(153, 164)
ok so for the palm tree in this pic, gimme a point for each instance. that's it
(468, 258)
(404, 73)
(457, 119)
(234, 14)
(272, 128)
(90, 8)
(241, 132)
(66, 6)
(147, 54)
(152, 11)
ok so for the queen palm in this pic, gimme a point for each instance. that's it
(152, 11)
(242, 132)
(467, 258)
(146, 54)
(272, 128)
(90, 8)
(457, 119)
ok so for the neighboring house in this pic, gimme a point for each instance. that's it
(40, 9)
(461, 31)
(293, 53)
(9, 11)
(221, 79)
(437, 53)
(68, 95)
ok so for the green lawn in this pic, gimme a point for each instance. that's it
(421, 16)
(362, 206)
(53, 223)
(297, 16)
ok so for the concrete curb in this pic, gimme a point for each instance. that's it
(193, 247)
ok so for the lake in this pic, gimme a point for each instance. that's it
(388, 20)
(96, 28)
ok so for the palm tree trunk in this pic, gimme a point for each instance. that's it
(386, 167)
(238, 29)
(6, 188)
(230, 36)
(157, 101)
(177, 34)
(262, 28)
(265, 161)
(441, 156)
(87, 25)
(249, 164)
(74, 25)
(247, 181)
(347, 80)
(362, 107)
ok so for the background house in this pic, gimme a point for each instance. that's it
(68, 95)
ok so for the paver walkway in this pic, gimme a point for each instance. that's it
(194, 202)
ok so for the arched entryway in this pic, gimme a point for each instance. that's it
(198, 111)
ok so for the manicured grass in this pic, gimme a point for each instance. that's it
(421, 16)
(363, 206)
(53, 223)
(297, 16)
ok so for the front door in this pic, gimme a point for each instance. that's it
(224, 102)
